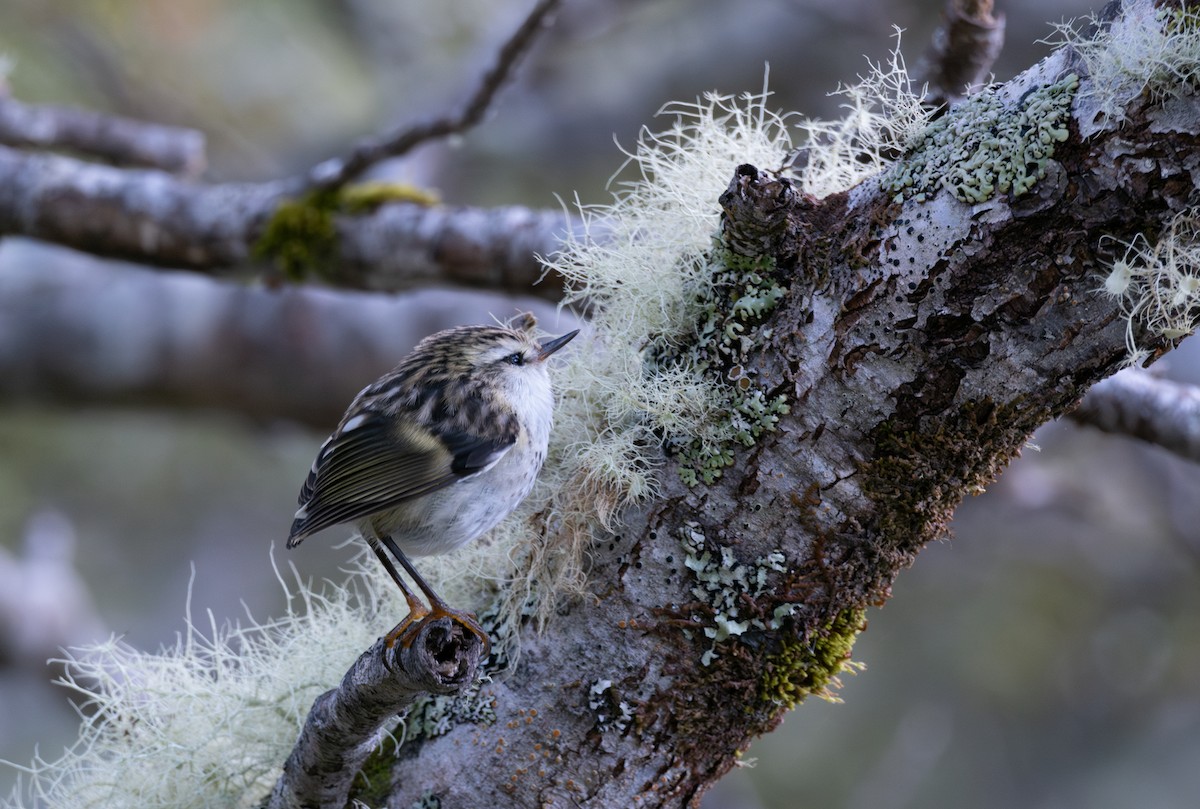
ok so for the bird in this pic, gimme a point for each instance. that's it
(436, 452)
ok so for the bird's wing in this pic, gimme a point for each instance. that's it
(374, 463)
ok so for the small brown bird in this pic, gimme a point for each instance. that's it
(436, 452)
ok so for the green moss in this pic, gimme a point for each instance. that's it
(981, 148)
(807, 666)
(733, 296)
(920, 471)
(301, 238)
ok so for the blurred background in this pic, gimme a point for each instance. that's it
(1047, 656)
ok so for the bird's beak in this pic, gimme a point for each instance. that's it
(550, 346)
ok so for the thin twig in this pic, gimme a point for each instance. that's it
(962, 50)
(338, 171)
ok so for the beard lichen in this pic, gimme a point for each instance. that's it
(730, 304)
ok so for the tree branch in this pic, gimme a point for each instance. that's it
(118, 140)
(344, 725)
(78, 332)
(157, 219)
(1141, 405)
(336, 172)
(962, 51)
(920, 340)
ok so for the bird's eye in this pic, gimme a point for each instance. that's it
(515, 359)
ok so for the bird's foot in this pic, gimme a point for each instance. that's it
(406, 631)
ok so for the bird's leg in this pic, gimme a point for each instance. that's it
(438, 607)
(416, 608)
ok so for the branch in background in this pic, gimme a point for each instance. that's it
(337, 172)
(344, 724)
(114, 139)
(1139, 404)
(77, 332)
(964, 46)
(157, 219)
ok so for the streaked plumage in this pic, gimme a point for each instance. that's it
(438, 450)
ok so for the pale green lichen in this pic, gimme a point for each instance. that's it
(986, 146)
(731, 298)
(612, 713)
(1157, 285)
(722, 582)
(206, 722)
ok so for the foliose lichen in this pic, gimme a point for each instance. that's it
(731, 302)
(722, 582)
(612, 712)
(982, 147)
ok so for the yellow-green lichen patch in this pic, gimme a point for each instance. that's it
(983, 147)
(731, 300)
(365, 197)
(810, 666)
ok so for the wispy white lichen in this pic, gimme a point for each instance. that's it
(1158, 284)
(885, 115)
(1148, 50)
(207, 722)
(639, 277)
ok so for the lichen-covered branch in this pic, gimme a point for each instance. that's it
(114, 139)
(384, 242)
(345, 724)
(926, 328)
(1144, 406)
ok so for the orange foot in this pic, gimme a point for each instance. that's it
(405, 631)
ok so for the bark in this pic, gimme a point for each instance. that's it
(919, 343)
(122, 141)
(1140, 405)
(76, 332)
